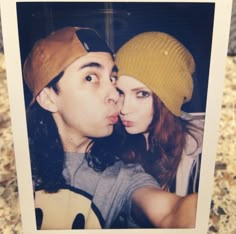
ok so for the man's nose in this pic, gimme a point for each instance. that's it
(112, 95)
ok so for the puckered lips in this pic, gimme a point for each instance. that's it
(127, 123)
(113, 119)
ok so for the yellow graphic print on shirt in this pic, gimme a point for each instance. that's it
(66, 209)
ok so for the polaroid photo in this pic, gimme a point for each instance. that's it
(67, 100)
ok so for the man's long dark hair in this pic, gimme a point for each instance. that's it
(46, 149)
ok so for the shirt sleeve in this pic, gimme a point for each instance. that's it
(138, 178)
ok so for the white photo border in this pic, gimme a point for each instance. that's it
(18, 118)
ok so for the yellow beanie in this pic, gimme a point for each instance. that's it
(162, 63)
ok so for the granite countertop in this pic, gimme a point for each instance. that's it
(223, 211)
(222, 214)
(10, 221)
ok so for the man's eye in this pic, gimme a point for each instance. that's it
(142, 94)
(120, 91)
(113, 79)
(91, 78)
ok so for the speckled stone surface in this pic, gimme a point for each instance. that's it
(222, 218)
(223, 211)
(9, 205)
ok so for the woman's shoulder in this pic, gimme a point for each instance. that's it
(196, 119)
(194, 139)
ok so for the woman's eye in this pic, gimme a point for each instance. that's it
(113, 79)
(91, 78)
(142, 94)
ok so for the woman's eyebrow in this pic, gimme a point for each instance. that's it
(140, 88)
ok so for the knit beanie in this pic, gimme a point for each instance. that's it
(162, 63)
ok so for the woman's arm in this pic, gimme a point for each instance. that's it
(164, 209)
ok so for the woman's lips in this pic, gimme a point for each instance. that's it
(127, 123)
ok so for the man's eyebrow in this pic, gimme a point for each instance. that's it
(91, 64)
(97, 65)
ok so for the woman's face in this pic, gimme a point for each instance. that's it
(137, 105)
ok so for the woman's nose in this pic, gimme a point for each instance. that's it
(125, 106)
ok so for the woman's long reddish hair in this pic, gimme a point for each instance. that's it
(166, 141)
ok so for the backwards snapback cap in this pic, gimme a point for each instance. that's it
(53, 54)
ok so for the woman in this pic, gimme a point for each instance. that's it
(155, 80)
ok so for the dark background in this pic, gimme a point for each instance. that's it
(191, 23)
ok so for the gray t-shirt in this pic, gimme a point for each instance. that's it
(95, 199)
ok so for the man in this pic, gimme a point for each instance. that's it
(72, 76)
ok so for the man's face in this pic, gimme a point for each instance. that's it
(87, 98)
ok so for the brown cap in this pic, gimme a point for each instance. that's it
(51, 55)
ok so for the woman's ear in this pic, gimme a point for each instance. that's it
(46, 101)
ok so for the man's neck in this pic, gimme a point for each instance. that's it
(72, 140)
(79, 145)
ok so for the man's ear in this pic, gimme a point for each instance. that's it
(46, 100)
